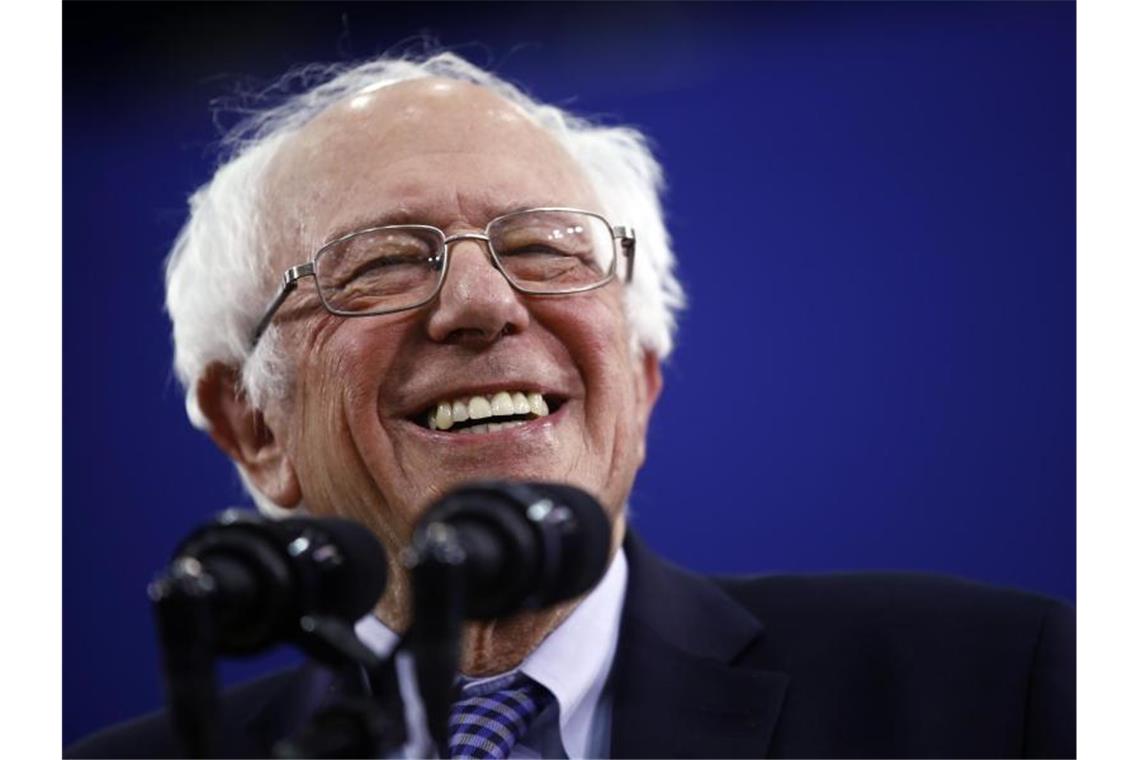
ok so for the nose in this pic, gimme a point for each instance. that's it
(476, 304)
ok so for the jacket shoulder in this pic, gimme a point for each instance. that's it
(152, 735)
(985, 670)
(878, 597)
(883, 611)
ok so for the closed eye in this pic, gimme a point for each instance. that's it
(385, 264)
(537, 250)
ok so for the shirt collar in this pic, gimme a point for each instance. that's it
(574, 660)
(376, 636)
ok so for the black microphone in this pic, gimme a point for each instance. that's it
(523, 545)
(487, 550)
(263, 576)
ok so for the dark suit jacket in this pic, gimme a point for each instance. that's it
(861, 665)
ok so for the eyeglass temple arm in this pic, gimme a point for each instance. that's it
(288, 285)
(628, 242)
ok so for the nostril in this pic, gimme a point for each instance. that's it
(476, 305)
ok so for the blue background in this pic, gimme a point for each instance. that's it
(874, 211)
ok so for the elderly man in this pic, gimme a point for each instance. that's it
(478, 285)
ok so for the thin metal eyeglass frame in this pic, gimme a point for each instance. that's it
(623, 236)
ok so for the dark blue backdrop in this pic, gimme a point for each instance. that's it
(874, 209)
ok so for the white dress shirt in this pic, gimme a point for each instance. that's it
(573, 662)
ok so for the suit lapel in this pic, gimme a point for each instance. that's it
(682, 681)
(682, 685)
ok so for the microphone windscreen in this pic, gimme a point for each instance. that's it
(526, 545)
(590, 543)
(362, 572)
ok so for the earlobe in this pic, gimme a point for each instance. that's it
(651, 383)
(649, 388)
(242, 432)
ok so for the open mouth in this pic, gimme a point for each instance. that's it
(486, 413)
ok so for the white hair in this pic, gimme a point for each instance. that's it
(218, 279)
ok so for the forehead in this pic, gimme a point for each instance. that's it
(435, 151)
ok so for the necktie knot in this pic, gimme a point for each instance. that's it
(489, 718)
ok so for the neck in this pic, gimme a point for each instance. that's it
(497, 646)
(488, 647)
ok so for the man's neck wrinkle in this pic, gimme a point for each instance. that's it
(498, 646)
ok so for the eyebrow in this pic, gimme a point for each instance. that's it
(405, 215)
(398, 215)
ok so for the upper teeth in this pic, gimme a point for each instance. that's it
(501, 404)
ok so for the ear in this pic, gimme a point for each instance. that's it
(651, 382)
(241, 431)
(649, 388)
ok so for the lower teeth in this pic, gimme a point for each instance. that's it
(490, 427)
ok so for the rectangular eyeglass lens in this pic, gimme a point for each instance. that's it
(385, 268)
(551, 251)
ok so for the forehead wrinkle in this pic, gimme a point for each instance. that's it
(311, 180)
(416, 111)
(401, 214)
(475, 211)
(443, 206)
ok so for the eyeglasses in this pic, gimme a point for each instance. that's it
(382, 270)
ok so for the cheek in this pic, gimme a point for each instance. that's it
(590, 325)
(336, 406)
(606, 355)
(355, 442)
(351, 359)
(595, 334)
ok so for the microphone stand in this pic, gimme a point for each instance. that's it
(181, 603)
(357, 725)
(437, 564)
(354, 726)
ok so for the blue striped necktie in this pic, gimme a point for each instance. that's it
(490, 717)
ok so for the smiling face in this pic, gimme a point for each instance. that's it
(354, 436)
